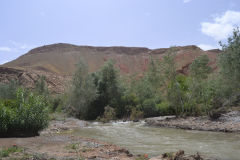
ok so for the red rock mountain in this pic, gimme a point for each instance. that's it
(57, 62)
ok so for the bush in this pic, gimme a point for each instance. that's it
(149, 108)
(136, 114)
(164, 108)
(23, 116)
(58, 102)
(8, 91)
(109, 114)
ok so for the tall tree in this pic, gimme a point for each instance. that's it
(199, 69)
(41, 87)
(229, 64)
(109, 89)
(198, 90)
(83, 91)
(172, 85)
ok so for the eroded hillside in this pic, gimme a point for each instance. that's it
(58, 61)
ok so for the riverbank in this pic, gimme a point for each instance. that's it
(229, 122)
(59, 142)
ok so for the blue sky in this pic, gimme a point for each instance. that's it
(26, 24)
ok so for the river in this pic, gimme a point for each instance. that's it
(142, 139)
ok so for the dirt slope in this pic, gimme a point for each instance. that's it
(58, 61)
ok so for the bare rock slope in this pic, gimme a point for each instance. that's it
(58, 62)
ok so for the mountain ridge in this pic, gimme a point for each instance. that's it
(59, 60)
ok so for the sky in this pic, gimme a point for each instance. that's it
(26, 24)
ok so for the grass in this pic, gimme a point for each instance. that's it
(5, 152)
(73, 146)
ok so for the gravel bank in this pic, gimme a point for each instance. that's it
(229, 122)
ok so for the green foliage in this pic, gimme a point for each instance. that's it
(40, 87)
(91, 93)
(199, 98)
(154, 74)
(8, 91)
(164, 108)
(73, 146)
(174, 84)
(5, 152)
(199, 69)
(168, 66)
(109, 89)
(83, 92)
(25, 115)
(136, 114)
(229, 64)
(109, 114)
(145, 95)
(162, 90)
(149, 107)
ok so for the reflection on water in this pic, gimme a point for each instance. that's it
(140, 139)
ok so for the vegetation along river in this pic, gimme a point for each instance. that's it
(141, 139)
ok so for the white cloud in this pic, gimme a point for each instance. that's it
(21, 46)
(14, 49)
(25, 46)
(5, 49)
(222, 26)
(206, 47)
(186, 1)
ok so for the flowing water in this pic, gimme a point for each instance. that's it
(141, 139)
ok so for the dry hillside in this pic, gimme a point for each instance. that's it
(57, 62)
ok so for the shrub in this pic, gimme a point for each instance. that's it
(58, 102)
(109, 114)
(23, 116)
(164, 108)
(40, 87)
(149, 108)
(136, 114)
(8, 91)
(5, 152)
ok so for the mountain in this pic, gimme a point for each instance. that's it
(57, 62)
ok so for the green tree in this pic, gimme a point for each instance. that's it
(109, 90)
(153, 74)
(41, 87)
(172, 87)
(82, 93)
(8, 91)
(229, 64)
(198, 87)
(199, 69)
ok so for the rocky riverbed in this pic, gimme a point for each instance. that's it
(229, 122)
(58, 142)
